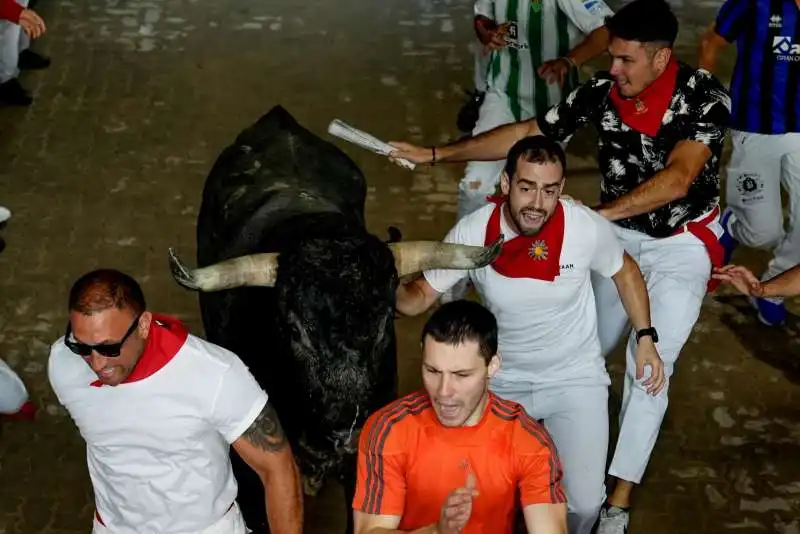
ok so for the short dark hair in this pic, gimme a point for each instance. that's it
(645, 21)
(102, 289)
(535, 149)
(460, 321)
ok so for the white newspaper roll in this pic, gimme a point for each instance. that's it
(364, 140)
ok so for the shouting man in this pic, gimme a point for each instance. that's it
(451, 459)
(661, 126)
(159, 408)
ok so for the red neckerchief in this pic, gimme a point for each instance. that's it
(167, 335)
(535, 256)
(645, 111)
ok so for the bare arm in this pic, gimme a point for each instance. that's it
(415, 297)
(786, 284)
(546, 518)
(592, 46)
(383, 524)
(265, 449)
(633, 292)
(491, 145)
(488, 146)
(671, 183)
(710, 46)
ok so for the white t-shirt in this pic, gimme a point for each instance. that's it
(547, 330)
(157, 449)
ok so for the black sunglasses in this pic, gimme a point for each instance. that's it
(104, 349)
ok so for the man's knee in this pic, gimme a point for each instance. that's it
(761, 235)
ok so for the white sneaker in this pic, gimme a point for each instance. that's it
(5, 214)
(613, 520)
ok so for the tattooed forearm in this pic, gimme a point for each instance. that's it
(266, 432)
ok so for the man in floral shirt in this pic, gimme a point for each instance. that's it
(661, 126)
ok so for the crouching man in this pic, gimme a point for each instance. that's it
(450, 458)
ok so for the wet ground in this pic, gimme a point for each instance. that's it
(106, 169)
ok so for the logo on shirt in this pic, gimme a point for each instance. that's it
(538, 250)
(511, 36)
(593, 6)
(536, 5)
(775, 21)
(784, 49)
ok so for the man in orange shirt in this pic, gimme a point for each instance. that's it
(452, 458)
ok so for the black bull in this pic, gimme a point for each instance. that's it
(292, 282)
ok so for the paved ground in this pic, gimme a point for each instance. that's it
(106, 168)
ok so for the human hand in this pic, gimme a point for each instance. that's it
(489, 33)
(646, 354)
(457, 507)
(32, 23)
(741, 278)
(555, 70)
(412, 153)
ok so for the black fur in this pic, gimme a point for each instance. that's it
(322, 341)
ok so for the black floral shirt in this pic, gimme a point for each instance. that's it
(699, 111)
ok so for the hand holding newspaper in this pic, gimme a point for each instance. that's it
(364, 140)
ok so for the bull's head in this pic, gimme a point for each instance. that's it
(336, 308)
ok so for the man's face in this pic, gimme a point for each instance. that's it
(456, 378)
(108, 327)
(533, 194)
(635, 66)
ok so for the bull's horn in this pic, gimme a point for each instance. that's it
(415, 256)
(253, 270)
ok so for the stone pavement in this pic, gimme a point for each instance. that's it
(107, 167)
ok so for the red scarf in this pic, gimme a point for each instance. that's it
(645, 112)
(535, 256)
(167, 335)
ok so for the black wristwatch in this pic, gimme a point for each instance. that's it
(647, 332)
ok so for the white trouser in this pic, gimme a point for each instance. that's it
(231, 523)
(482, 60)
(577, 419)
(13, 40)
(759, 165)
(481, 177)
(12, 391)
(676, 270)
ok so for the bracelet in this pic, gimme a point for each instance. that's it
(570, 61)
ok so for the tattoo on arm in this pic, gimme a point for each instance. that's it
(266, 432)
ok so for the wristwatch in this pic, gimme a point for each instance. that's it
(647, 332)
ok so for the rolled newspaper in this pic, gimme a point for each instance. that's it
(364, 140)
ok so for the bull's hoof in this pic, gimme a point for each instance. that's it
(182, 274)
(395, 236)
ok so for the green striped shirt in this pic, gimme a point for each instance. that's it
(540, 30)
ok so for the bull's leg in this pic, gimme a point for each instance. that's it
(251, 495)
(348, 481)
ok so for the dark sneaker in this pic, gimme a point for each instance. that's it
(30, 60)
(469, 112)
(13, 94)
(771, 311)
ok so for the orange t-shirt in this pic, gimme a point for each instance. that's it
(408, 463)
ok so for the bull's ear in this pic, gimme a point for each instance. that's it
(415, 256)
(260, 270)
(395, 235)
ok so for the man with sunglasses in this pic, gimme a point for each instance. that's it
(159, 408)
